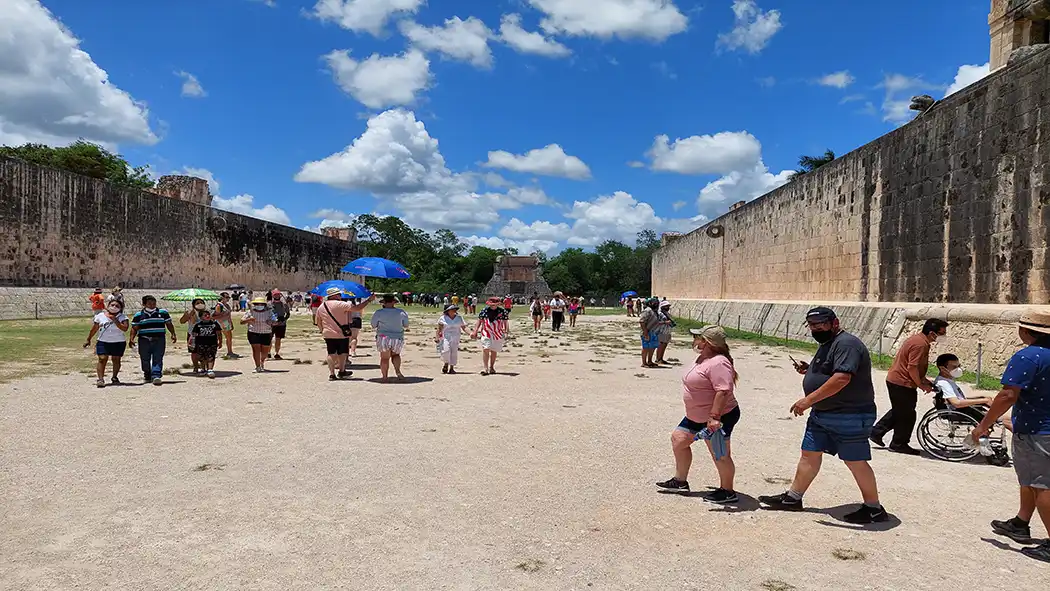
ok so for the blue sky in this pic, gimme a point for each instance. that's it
(573, 122)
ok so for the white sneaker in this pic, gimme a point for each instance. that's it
(211, 374)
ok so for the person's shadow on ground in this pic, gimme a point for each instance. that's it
(745, 503)
(404, 380)
(839, 511)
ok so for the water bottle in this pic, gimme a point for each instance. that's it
(985, 447)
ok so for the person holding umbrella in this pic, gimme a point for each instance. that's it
(190, 318)
(334, 319)
(390, 323)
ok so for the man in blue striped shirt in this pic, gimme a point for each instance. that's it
(149, 325)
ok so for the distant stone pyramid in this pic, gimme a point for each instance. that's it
(519, 276)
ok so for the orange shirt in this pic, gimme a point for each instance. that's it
(914, 352)
(98, 302)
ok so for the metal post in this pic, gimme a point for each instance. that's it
(719, 319)
(701, 315)
(36, 310)
(980, 355)
(787, 330)
(738, 322)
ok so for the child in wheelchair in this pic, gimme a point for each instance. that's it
(942, 431)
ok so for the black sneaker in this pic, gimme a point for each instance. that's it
(904, 449)
(345, 374)
(877, 440)
(278, 357)
(721, 496)
(1040, 552)
(115, 380)
(333, 378)
(1015, 529)
(781, 502)
(866, 515)
(674, 484)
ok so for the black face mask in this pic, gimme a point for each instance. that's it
(823, 336)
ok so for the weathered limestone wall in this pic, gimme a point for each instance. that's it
(953, 207)
(59, 229)
(1013, 24)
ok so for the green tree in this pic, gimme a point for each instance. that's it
(84, 158)
(807, 164)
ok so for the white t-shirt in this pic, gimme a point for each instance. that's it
(557, 304)
(451, 327)
(108, 331)
(949, 389)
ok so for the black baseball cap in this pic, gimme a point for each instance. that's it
(820, 314)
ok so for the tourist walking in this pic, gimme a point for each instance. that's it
(711, 413)
(648, 322)
(558, 305)
(110, 326)
(356, 324)
(574, 309)
(207, 338)
(149, 324)
(838, 389)
(98, 302)
(546, 309)
(242, 299)
(224, 316)
(260, 320)
(1026, 389)
(117, 294)
(282, 312)
(493, 327)
(333, 319)
(664, 332)
(536, 310)
(449, 329)
(906, 376)
(190, 318)
(508, 304)
(390, 323)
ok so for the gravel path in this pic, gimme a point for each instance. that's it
(540, 478)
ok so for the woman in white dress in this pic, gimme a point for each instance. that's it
(450, 327)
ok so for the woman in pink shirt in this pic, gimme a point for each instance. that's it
(707, 390)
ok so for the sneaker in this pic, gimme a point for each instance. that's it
(877, 440)
(781, 502)
(444, 368)
(866, 515)
(451, 371)
(332, 378)
(721, 496)
(115, 380)
(211, 375)
(345, 374)
(157, 381)
(278, 357)
(146, 378)
(1015, 529)
(904, 449)
(1040, 552)
(100, 383)
(674, 484)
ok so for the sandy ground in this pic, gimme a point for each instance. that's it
(540, 478)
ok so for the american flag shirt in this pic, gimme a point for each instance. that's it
(493, 323)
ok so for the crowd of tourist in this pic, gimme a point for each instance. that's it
(837, 382)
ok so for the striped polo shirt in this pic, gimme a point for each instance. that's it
(151, 324)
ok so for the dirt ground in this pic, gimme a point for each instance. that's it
(538, 478)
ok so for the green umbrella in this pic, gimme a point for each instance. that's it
(190, 294)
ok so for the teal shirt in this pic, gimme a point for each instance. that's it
(390, 322)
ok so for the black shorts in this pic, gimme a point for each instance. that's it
(355, 323)
(729, 420)
(260, 338)
(537, 313)
(279, 330)
(338, 346)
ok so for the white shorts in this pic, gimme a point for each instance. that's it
(492, 344)
(394, 346)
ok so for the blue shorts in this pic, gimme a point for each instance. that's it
(110, 349)
(842, 434)
(729, 420)
(653, 342)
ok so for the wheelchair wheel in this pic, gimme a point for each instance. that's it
(942, 433)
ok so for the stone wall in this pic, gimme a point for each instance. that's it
(952, 207)
(59, 229)
(1013, 24)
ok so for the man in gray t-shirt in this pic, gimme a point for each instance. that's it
(838, 389)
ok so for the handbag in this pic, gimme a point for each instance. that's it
(343, 327)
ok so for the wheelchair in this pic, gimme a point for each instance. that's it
(943, 430)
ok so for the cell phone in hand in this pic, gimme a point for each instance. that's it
(794, 362)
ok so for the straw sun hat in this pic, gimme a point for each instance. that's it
(1035, 320)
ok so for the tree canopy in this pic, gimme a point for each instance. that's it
(441, 263)
(84, 158)
(807, 164)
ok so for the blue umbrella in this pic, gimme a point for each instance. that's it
(350, 288)
(376, 267)
(630, 294)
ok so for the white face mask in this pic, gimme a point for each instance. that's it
(259, 308)
(199, 306)
(114, 309)
(957, 373)
(149, 309)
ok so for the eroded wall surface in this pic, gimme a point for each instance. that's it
(59, 229)
(952, 207)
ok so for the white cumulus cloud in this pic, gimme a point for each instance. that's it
(537, 230)
(462, 40)
(654, 20)
(720, 153)
(610, 217)
(740, 185)
(191, 87)
(550, 160)
(753, 28)
(364, 16)
(836, 79)
(245, 205)
(203, 173)
(381, 81)
(514, 35)
(336, 215)
(51, 91)
(899, 88)
(966, 76)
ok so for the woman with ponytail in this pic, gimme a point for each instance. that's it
(710, 406)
